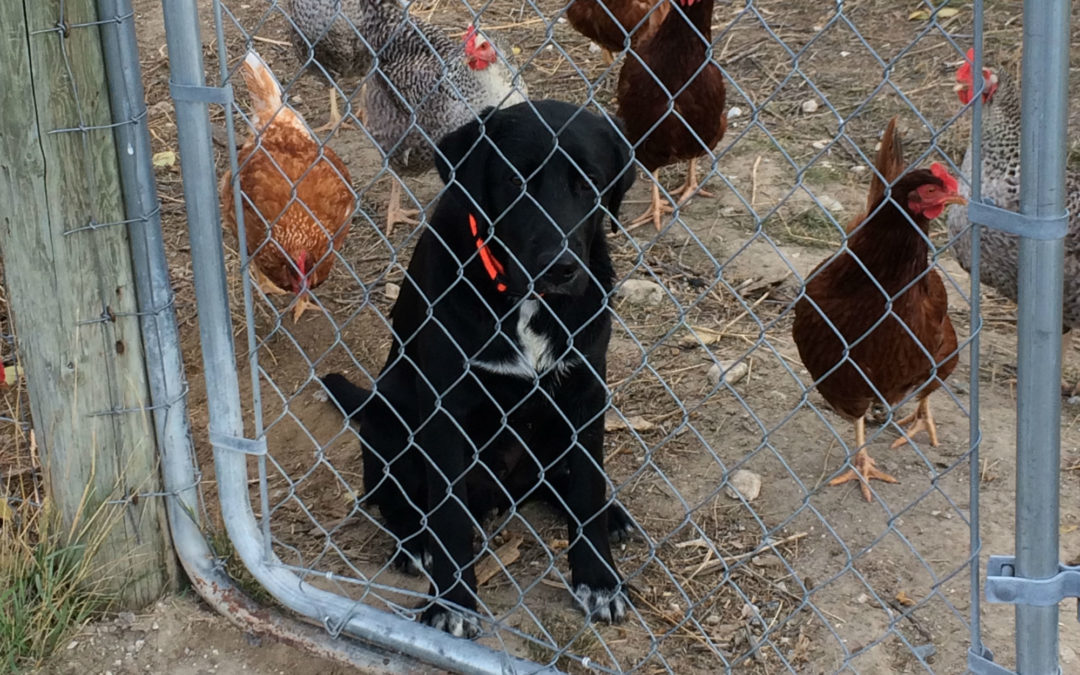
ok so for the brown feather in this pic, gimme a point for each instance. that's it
(633, 17)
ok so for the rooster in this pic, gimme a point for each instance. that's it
(292, 187)
(676, 63)
(426, 86)
(999, 250)
(879, 301)
(608, 23)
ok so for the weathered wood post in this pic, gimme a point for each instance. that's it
(71, 288)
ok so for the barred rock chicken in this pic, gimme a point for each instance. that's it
(608, 23)
(325, 33)
(426, 86)
(677, 62)
(844, 306)
(1001, 186)
(292, 186)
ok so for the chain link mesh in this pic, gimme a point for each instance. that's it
(708, 395)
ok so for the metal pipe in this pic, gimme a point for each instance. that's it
(1043, 150)
(974, 428)
(388, 632)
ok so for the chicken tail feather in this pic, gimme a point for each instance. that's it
(889, 164)
(264, 89)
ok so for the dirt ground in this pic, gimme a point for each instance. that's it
(806, 578)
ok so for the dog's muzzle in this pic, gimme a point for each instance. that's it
(565, 276)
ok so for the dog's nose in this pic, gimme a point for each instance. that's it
(562, 271)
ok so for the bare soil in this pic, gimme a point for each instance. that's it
(812, 578)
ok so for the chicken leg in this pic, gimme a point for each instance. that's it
(864, 470)
(302, 305)
(394, 211)
(335, 112)
(658, 208)
(263, 282)
(920, 420)
(691, 187)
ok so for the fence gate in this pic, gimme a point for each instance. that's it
(742, 556)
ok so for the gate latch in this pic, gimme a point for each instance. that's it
(1002, 584)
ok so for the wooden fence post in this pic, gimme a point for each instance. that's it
(71, 287)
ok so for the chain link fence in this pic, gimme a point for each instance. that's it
(741, 555)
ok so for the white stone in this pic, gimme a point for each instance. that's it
(810, 106)
(732, 373)
(830, 203)
(819, 145)
(391, 291)
(745, 483)
(641, 292)
(734, 111)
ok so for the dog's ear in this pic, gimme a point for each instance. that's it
(459, 145)
(622, 173)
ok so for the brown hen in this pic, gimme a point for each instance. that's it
(671, 97)
(609, 22)
(846, 298)
(297, 196)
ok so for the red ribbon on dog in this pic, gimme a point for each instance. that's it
(491, 263)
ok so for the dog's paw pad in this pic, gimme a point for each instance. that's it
(451, 621)
(604, 604)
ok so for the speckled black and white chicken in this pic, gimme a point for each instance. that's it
(426, 85)
(326, 33)
(1001, 186)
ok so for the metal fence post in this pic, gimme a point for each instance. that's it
(1038, 425)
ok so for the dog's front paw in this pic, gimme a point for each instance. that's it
(452, 621)
(605, 604)
(412, 562)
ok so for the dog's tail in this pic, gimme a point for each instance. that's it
(349, 396)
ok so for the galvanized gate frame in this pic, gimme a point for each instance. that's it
(1034, 576)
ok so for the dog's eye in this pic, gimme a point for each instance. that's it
(516, 180)
(584, 183)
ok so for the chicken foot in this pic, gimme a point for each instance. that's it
(690, 187)
(263, 282)
(920, 420)
(658, 208)
(394, 211)
(864, 470)
(335, 112)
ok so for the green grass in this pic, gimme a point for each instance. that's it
(50, 585)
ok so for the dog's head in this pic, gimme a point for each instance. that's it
(541, 178)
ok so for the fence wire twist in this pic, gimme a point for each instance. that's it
(709, 404)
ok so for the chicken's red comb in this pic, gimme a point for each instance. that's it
(963, 73)
(470, 38)
(942, 174)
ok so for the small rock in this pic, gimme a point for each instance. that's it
(594, 48)
(139, 644)
(319, 395)
(73, 644)
(819, 145)
(858, 168)
(845, 54)
(155, 626)
(734, 111)
(830, 203)
(809, 106)
(745, 483)
(391, 291)
(862, 599)
(766, 560)
(1067, 654)
(713, 619)
(641, 292)
(732, 372)
(125, 618)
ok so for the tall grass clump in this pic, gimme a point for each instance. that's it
(50, 585)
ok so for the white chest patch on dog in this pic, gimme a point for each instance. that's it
(535, 353)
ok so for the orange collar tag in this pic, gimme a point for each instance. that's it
(491, 263)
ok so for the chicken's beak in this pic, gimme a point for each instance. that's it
(953, 198)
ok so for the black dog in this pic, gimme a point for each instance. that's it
(494, 390)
